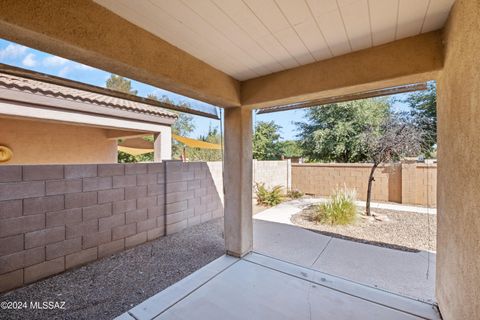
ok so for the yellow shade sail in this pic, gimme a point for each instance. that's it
(138, 146)
(192, 143)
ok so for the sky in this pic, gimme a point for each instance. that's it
(27, 58)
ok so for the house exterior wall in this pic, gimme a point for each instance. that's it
(458, 258)
(36, 142)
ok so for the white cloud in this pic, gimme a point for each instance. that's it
(29, 60)
(54, 61)
(64, 71)
(12, 51)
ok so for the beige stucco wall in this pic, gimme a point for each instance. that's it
(35, 142)
(458, 255)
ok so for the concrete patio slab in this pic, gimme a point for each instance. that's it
(259, 287)
(287, 242)
(397, 271)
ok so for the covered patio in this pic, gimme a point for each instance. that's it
(246, 55)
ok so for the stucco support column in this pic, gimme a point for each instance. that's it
(157, 147)
(238, 181)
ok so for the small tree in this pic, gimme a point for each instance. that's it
(398, 137)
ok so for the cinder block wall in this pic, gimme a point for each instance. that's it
(414, 183)
(57, 217)
(272, 173)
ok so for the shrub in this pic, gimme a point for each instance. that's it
(295, 194)
(268, 197)
(340, 209)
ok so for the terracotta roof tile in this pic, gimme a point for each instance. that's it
(13, 82)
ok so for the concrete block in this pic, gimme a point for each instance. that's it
(135, 216)
(177, 186)
(194, 184)
(44, 269)
(124, 181)
(155, 233)
(154, 189)
(42, 172)
(80, 258)
(11, 209)
(146, 179)
(179, 176)
(146, 225)
(80, 200)
(13, 226)
(43, 204)
(97, 183)
(110, 248)
(11, 244)
(161, 200)
(63, 217)
(95, 239)
(179, 196)
(97, 211)
(124, 231)
(111, 195)
(10, 173)
(156, 212)
(80, 171)
(135, 240)
(147, 202)
(156, 167)
(124, 206)
(43, 237)
(21, 259)
(81, 229)
(200, 192)
(161, 222)
(111, 169)
(176, 227)
(176, 207)
(135, 168)
(63, 248)
(22, 190)
(111, 222)
(206, 217)
(135, 192)
(54, 187)
(176, 217)
(11, 280)
(200, 209)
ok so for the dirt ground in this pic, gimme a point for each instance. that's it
(403, 230)
(108, 287)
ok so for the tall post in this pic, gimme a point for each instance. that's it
(237, 181)
(157, 147)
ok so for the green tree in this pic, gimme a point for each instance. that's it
(291, 148)
(266, 141)
(423, 106)
(121, 84)
(332, 133)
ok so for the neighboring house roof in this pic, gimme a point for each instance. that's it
(89, 101)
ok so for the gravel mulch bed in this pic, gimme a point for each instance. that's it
(406, 231)
(108, 287)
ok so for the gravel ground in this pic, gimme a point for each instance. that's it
(108, 287)
(406, 231)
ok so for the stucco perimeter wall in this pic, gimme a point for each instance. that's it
(57, 217)
(458, 248)
(34, 142)
(403, 183)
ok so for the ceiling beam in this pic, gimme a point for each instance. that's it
(86, 32)
(410, 60)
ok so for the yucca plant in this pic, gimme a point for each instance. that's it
(340, 209)
(268, 197)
